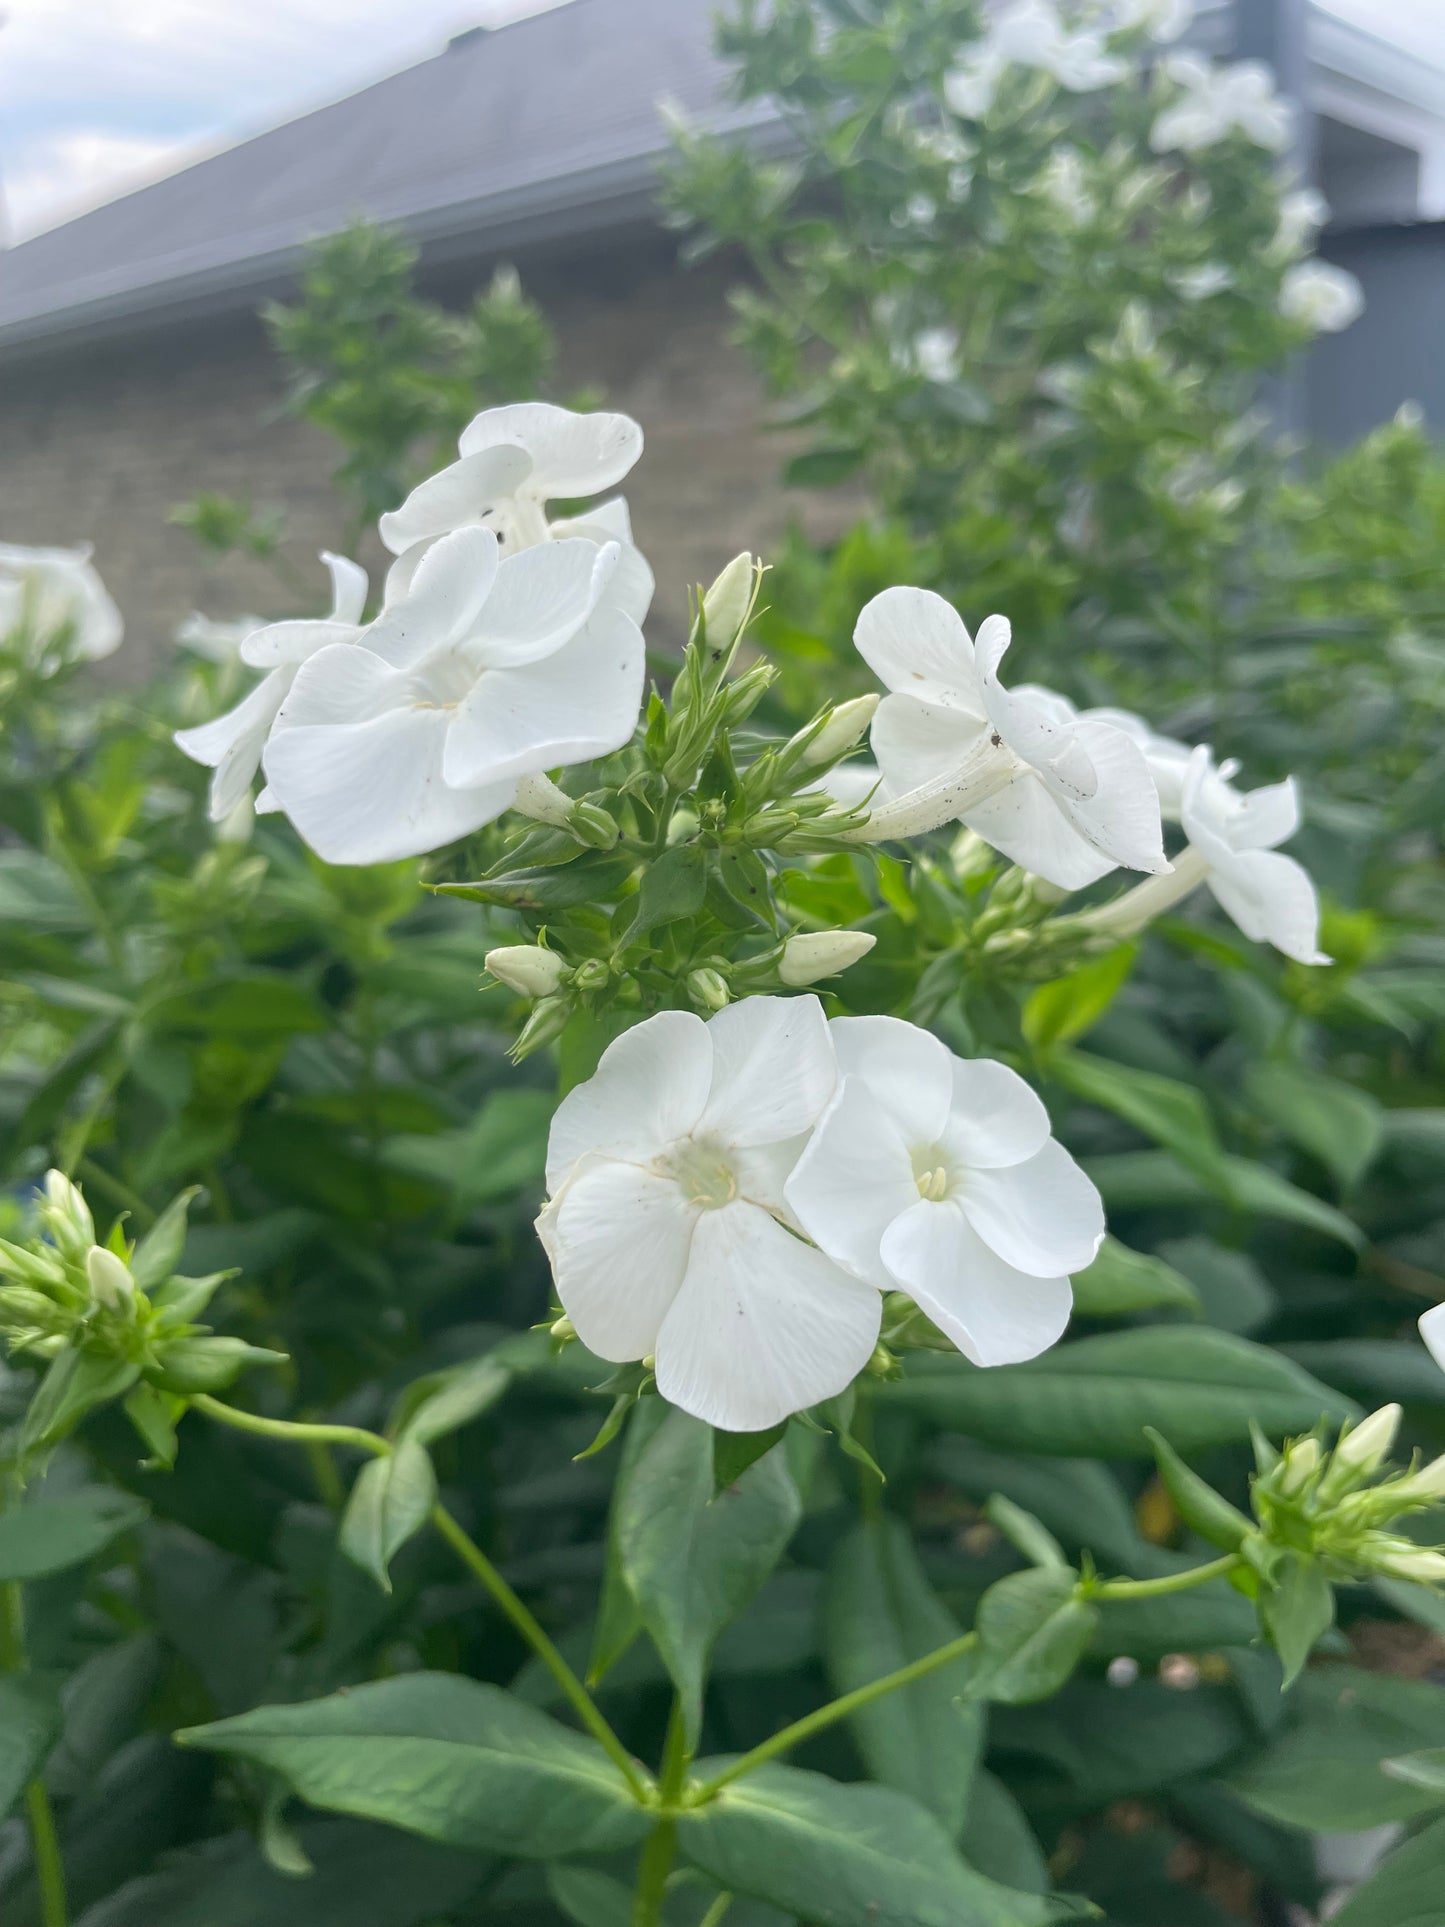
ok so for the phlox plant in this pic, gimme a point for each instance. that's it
(869, 1377)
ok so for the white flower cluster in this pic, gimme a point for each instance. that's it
(506, 645)
(730, 1200)
(55, 607)
(1065, 794)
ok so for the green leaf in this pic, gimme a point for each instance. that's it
(1173, 1114)
(1296, 1610)
(390, 1502)
(1325, 1771)
(559, 886)
(734, 1452)
(432, 1408)
(158, 1253)
(590, 1898)
(74, 1384)
(1342, 1126)
(879, 1613)
(845, 1856)
(693, 1557)
(252, 1005)
(1033, 1630)
(1229, 1286)
(48, 1535)
(1024, 1532)
(1406, 1890)
(823, 467)
(29, 1727)
(673, 887)
(1057, 1013)
(1146, 1180)
(1120, 1281)
(997, 1838)
(1201, 1508)
(1096, 1396)
(455, 1761)
(1425, 1769)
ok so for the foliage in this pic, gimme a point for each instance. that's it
(907, 1659)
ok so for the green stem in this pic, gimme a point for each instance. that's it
(44, 1842)
(290, 1431)
(661, 1848)
(715, 1913)
(581, 1701)
(835, 1710)
(1171, 1582)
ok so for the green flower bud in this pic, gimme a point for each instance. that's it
(190, 1365)
(729, 602)
(593, 974)
(592, 825)
(68, 1215)
(845, 726)
(546, 1023)
(1301, 1462)
(526, 968)
(1361, 1450)
(822, 953)
(708, 989)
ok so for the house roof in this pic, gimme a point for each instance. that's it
(546, 127)
(541, 130)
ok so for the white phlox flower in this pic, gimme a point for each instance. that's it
(1326, 298)
(513, 462)
(231, 744)
(1062, 183)
(666, 1224)
(486, 671)
(1030, 33)
(1201, 283)
(1432, 1330)
(1167, 757)
(1162, 20)
(1064, 797)
(216, 641)
(1302, 213)
(1217, 101)
(1231, 848)
(56, 604)
(935, 353)
(937, 1176)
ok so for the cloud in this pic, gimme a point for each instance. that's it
(70, 172)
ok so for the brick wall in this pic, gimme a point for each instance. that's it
(99, 441)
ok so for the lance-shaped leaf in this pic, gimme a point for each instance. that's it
(457, 1762)
(48, 1535)
(29, 1727)
(1033, 1630)
(390, 1502)
(1201, 1508)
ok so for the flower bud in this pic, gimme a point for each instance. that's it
(111, 1284)
(541, 799)
(69, 1211)
(1301, 1462)
(564, 1331)
(1429, 1481)
(1432, 1330)
(591, 975)
(238, 824)
(547, 1021)
(592, 825)
(708, 989)
(1424, 1566)
(822, 953)
(728, 603)
(845, 727)
(526, 968)
(1362, 1449)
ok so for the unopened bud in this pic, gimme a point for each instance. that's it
(563, 1330)
(526, 968)
(844, 727)
(541, 799)
(238, 824)
(1362, 1449)
(68, 1207)
(592, 825)
(1429, 1481)
(591, 975)
(1301, 1462)
(728, 603)
(822, 953)
(1432, 1330)
(20, 1306)
(111, 1284)
(682, 827)
(1424, 1566)
(547, 1022)
(708, 989)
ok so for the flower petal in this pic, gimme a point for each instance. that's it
(916, 644)
(453, 579)
(357, 768)
(647, 1092)
(619, 1239)
(1042, 1216)
(576, 704)
(1267, 817)
(1121, 818)
(570, 454)
(1432, 1330)
(996, 1119)
(764, 1325)
(917, 742)
(209, 743)
(541, 598)
(1025, 823)
(908, 1071)
(457, 497)
(1273, 900)
(349, 588)
(994, 1314)
(852, 1181)
(773, 1070)
(288, 643)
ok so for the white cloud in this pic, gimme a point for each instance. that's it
(71, 172)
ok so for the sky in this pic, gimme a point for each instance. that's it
(99, 96)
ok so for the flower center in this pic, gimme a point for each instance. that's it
(703, 1172)
(931, 1173)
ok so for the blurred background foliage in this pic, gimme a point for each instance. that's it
(1084, 448)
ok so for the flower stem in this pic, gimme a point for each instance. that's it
(471, 1556)
(477, 1562)
(1171, 1582)
(44, 1842)
(661, 1848)
(835, 1710)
